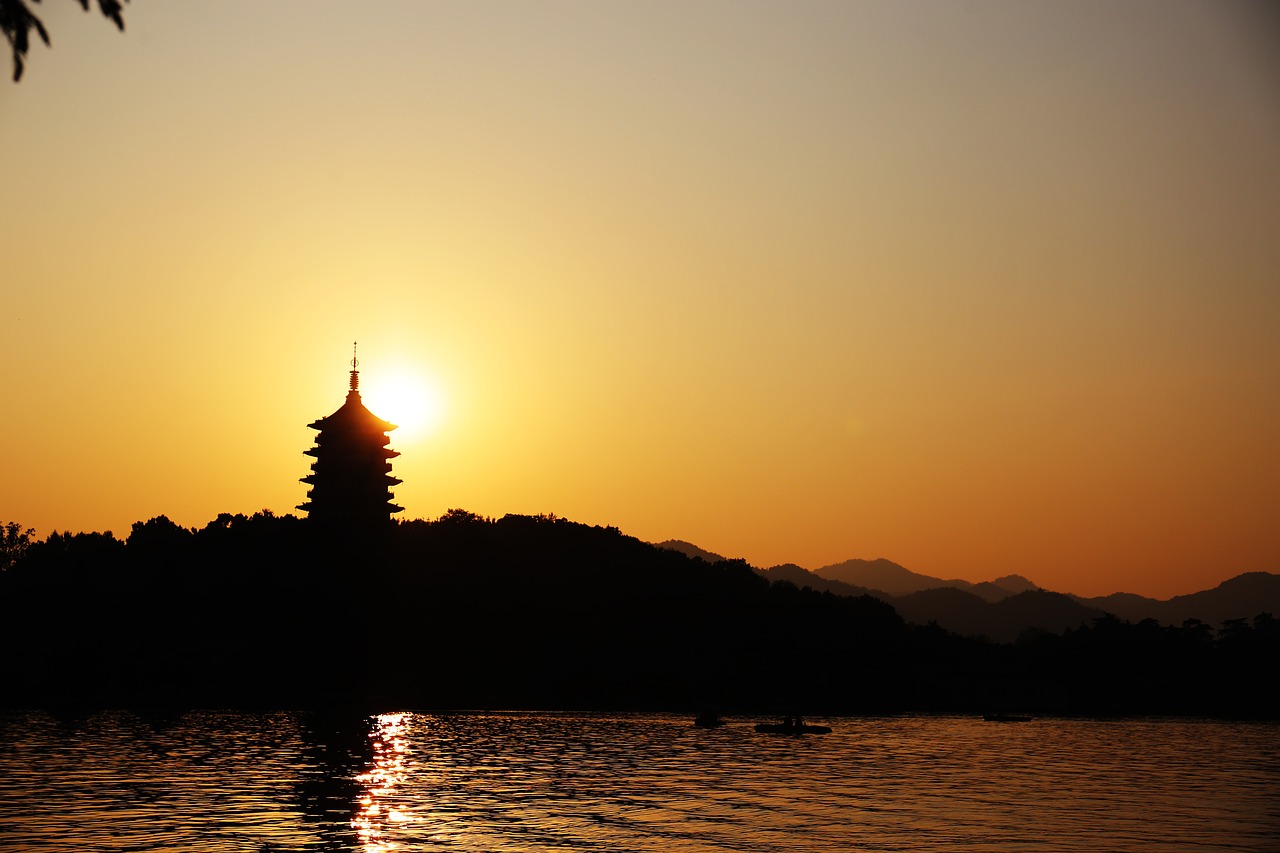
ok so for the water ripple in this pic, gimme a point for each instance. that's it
(561, 782)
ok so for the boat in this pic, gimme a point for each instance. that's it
(783, 729)
(1007, 718)
(792, 727)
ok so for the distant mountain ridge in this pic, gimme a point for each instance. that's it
(1004, 608)
(893, 579)
(1241, 597)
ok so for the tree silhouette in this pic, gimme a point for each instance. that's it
(17, 21)
(524, 611)
(14, 542)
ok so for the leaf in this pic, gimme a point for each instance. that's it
(112, 9)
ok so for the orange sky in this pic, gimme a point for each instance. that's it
(981, 288)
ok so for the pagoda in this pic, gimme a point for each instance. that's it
(351, 478)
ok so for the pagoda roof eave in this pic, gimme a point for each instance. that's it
(352, 411)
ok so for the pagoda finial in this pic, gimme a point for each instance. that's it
(355, 363)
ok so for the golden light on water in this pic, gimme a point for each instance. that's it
(381, 784)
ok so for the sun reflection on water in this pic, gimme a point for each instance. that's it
(510, 783)
(381, 798)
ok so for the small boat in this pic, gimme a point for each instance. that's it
(1006, 718)
(782, 729)
(792, 727)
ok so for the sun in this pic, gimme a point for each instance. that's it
(406, 398)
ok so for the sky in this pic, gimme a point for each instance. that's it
(978, 287)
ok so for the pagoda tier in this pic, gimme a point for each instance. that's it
(351, 478)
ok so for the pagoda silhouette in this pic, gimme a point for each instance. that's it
(351, 478)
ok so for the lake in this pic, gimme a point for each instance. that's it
(565, 782)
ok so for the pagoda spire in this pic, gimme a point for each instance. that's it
(355, 367)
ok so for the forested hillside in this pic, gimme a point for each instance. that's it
(540, 612)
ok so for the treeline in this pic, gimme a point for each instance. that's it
(540, 613)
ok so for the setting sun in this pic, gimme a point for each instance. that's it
(888, 386)
(984, 289)
(405, 397)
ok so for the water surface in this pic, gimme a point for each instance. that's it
(563, 782)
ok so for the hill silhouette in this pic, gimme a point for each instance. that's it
(1002, 621)
(890, 578)
(957, 605)
(1240, 597)
(792, 573)
(691, 550)
(538, 612)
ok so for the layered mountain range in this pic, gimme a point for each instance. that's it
(1004, 608)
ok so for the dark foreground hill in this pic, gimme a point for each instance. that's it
(463, 612)
(541, 613)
